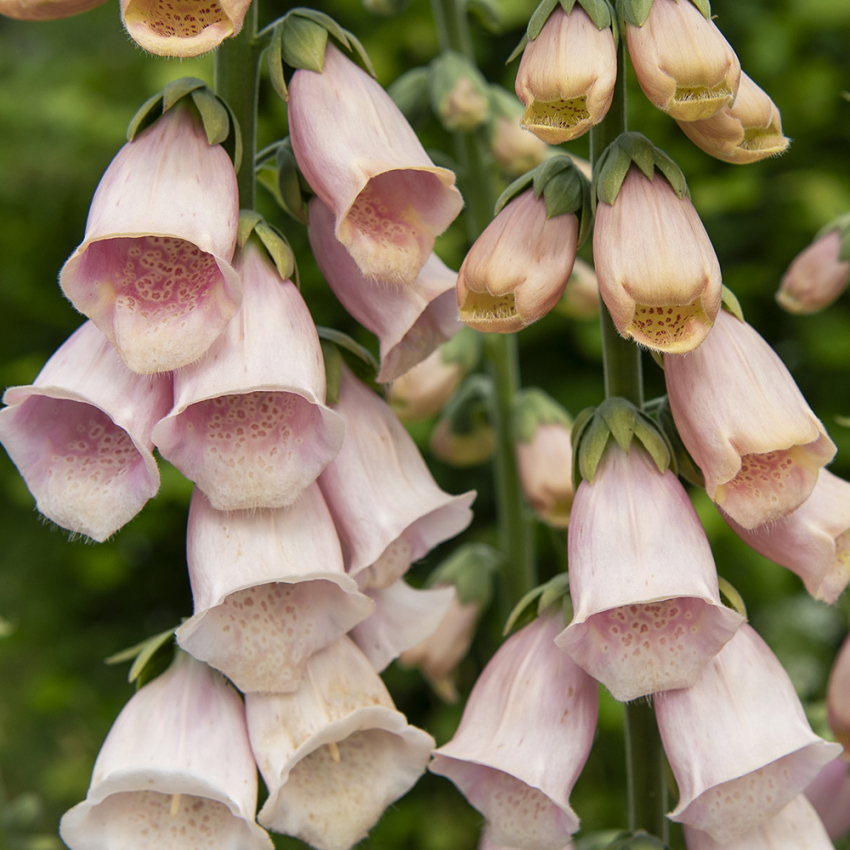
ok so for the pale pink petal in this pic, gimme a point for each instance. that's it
(249, 424)
(81, 435)
(829, 794)
(45, 10)
(838, 696)
(362, 158)
(175, 767)
(816, 277)
(746, 424)
(812, 541)
(334, 754)
(523, 739)
(410, 322)
(153, 272)
(545, 471)
(738, 741)
(648, 615)
(269, 589)
(424, 390)
(387, 508)
(403, 617)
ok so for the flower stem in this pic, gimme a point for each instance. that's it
(236, 79)
(621, 358)
(500, 350)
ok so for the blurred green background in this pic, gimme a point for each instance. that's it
(69, 89)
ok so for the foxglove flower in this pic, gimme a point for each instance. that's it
(423, 391)
(747, 131)
(746, 424)
(682, 61)
(829, 794)
(796, 827)
(249, 424)
(648, 615)
(581, 296)
(838, 697)
(81, 435)
(657, 270)
(404, 616)
(153, 272)
(812, 541)
(45, 10)
(518, 268)
(545, 466)
(409, 322)
(182, 28)
(816, 277)
(334, 754)
(362, 158)
(566, 76)
(176, 770)
(387, 508)
(523, 739)
(738, 741)
(269, 590)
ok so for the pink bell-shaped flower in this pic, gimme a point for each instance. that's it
(182, 28)
(816, 278)
(175, 771)
(334, 754)
(796, 827)
(387, 508)
(812, 541)
(362, 158)
(746, 424)
(410, 322)
(81, 435)
(269, 590)
(658, 274)
(404, 616)
(45, 10)
(738, 741)
(829, 794)
(249, 424)
(838, 697)
(424, 390)
(648, 615)
(545, 466)
(153, 272)
(523, 739)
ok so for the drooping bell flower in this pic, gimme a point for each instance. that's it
(812, 541)
(838, 697)
(334, 754)
(45, 10)
(648, 615)
(829, 794)
(682, 61)
(746, 424)
(410, 322)
(657, 271)
(387, 508)
(738, 741)
(404, 616)
(249, 424)
(816, 277)
(269, 590)
(182, 28)
(362, 158)
(523, 739)
(566, 76)
(176, 770)
(81, 435)
(795, 827)
(747, 131)
(153, 272)
(517, 269)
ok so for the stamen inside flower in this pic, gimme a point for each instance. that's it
(692, 103)
(672, 329)
(175, 18)
(545, 117)
(764, 139)
(482, 308)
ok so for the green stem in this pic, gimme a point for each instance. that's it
(647, 789)
(500, 350)
(236, 79)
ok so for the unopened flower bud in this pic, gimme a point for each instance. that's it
(657, 270)
(817, 276)
(566, 76)
(513, 148)
(517, 269)
(581, 297)
(747, 131)
(682, 61)
(458, 92)
(463, 436)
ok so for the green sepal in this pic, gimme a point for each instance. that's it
(283, 179)
(541, 14)
(359, 359)
(634, 12)
(633, 149)
(684, 465)
(214, 115)
(469, 408)
(274, 61)
(729, 301)
(150, 657)
(580, 425)
(470, 569)
(637, 840)
(532, 407)
(704, 6)
(445, 73)
(145, 115)
(537, 600)
(411, 93)
(842, 225)
(515, 188)
(733, 598)
(599, 11)
(517, 50)
(464, 349)
(333, 370)
(178, 89)
(275, 243)
(593, 444)
(303, 43)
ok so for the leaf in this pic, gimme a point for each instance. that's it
(178, 89)
(303, 43)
